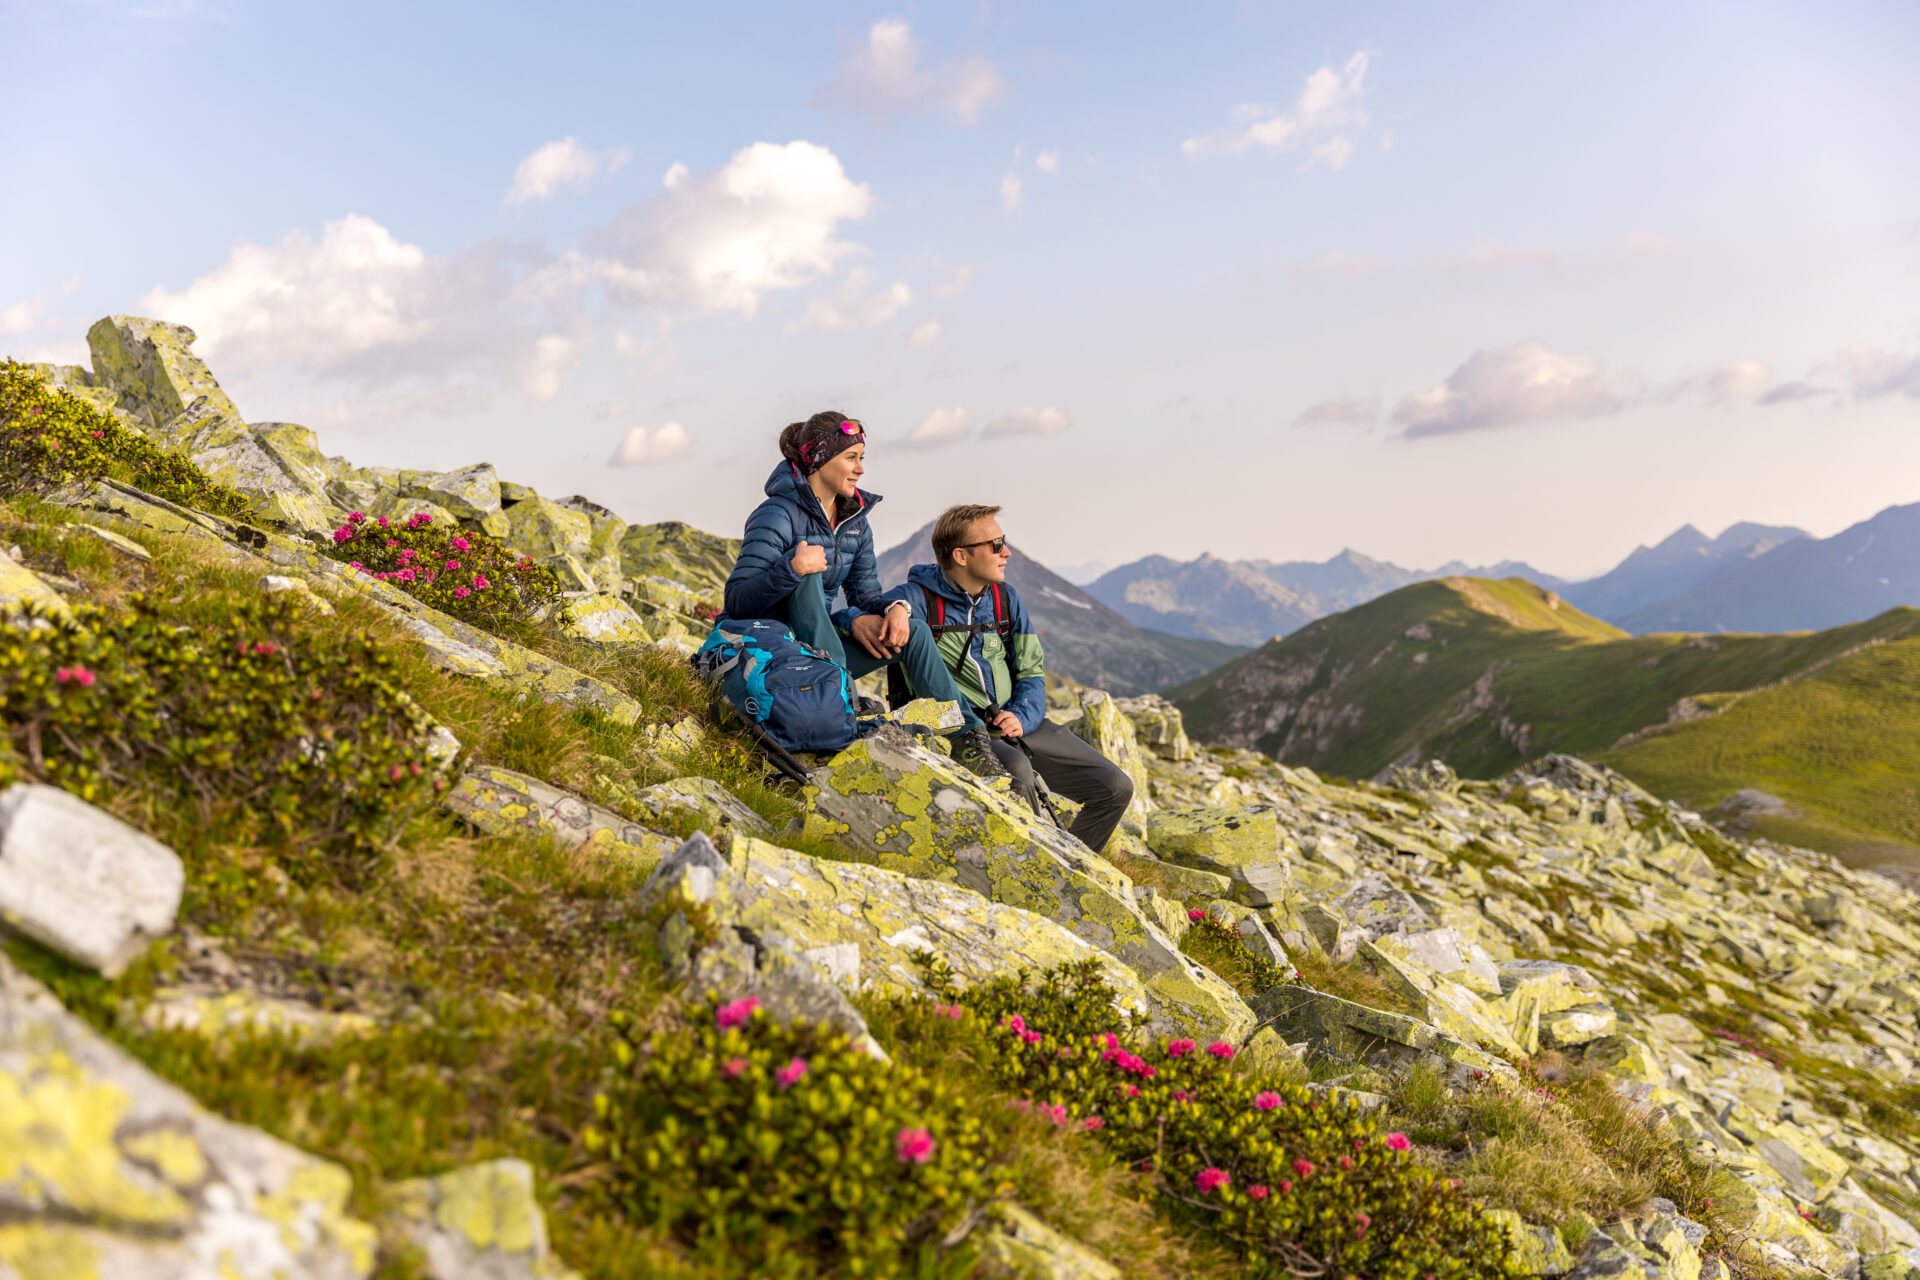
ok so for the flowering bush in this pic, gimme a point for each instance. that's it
(1301, 1183)
(48, 438)
(472, 576)
(784, 1148)
(1219, 946)
(311, 738)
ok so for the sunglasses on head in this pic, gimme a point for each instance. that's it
(998, 544)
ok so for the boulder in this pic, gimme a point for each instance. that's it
(1347, 1032)
(471, 494)
(1444, 1003)
(169, 393)
(504, 803)
(1539, 1251)
(605, 619)
(23, 592)
(541, 528)
(1532, 991)
(602, 556)
(274, 584)
(81, 882)
(888, 799)
(703, 803)
(1102, 727)
(398, 507)
(479, 1222)
(699, 562)
(859, 926)
(1377, 907)
(1243, 844)
(1157, 726)
(110, 1171)
(1019, 1246)
(1582, 1024)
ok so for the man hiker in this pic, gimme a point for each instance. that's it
(987, 641)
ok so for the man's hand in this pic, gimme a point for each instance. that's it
(873, 634)
(897, 618)
(809, 559)
(1008, 724)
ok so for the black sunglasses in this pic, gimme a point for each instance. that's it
(998, 544)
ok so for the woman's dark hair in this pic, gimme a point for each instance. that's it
(799, 434)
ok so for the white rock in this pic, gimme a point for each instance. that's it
(80, 881)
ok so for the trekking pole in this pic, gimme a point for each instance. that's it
(783, 760)
(1039, 783)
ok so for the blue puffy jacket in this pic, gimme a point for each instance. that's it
(763, 576)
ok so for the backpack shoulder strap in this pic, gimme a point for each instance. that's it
(936, 607)
(1002, 620)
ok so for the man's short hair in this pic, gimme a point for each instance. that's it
(951, 529)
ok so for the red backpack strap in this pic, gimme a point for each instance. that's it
(936, 607)
(1002, 622)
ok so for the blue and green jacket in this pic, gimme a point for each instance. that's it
(763, 576)
(986, 673)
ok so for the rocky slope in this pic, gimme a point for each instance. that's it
(607, 995)
(1084, 639)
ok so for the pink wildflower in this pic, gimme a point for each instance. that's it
(395, 773)
(461, 593)
(74, 675)
(1397, 1142)
(1093, 1122)
(453, 564)
(1286, 1186)
(1303, 1167)
(1365, 1221)
(1179, 1095)
(266, 648)
(1015, 1023)
(913, 1146)
(733, 1067)
(1258, 1191)
(407, 553)
(1196, 913)
(1346, 1162)
(737, 1012)
(1266, 1100)
(341, 535)
(1210, 1179)
(1220, 1049)
(382, 522)
(480, 582)
(789, 1075)
(1111, 1040)
(356, 517)
(460, 544)
(355, 564)
(1179, 1048)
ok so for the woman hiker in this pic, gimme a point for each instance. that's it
(810, 539)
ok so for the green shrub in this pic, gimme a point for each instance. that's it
(471, 576)
(785, 1148)
(1219, 946)
(49, 438)
(309, 738)
(1302, 1184)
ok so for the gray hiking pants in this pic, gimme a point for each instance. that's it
(1075, 770)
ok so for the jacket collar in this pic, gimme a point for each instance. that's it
(935, 579)
(786, 482)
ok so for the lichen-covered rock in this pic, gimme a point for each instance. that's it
(911, 810)
(24, 592)
(214, 1013)
(929, 713)
(681, 553)
(502, 802)
(168, 392)
(1533, 991)
(107, 1171)
(703, 803)
(605, 619)
(1242, 844)
(1580, 1025)
(1537, 1250)
(602, 556)
(479, 1222)
(1444, 1003)
(276, 583)
(859, 926)
(1343, 1031)
(541, 528)
(469, 494)
(81, 882)
(116, 542)
(1158, 726)
(679, 738)
(1102, 727)
(1377, 907)
(1019, 1246)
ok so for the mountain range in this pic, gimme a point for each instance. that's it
(1084, 640)
(1752, 577)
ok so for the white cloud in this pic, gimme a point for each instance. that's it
(958, 277)
(924, 335)
(1523, 383)
(765, 220)
(1870, 372)
(1337, 265)
(19, 318)
(1345, 412)
(1047, 162)
(858, 305)
(885, 80)
(1011, 191)
(1029, 421)
(561, 164)
(940, 428)
(1739, 382)
(553, 354)
(642, 447)
(1327, 112)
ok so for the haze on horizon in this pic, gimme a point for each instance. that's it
(1267, 281)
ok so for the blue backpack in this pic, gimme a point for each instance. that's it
(788, 691)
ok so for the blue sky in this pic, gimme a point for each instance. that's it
(1263, 280)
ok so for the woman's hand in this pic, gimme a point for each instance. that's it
(809, 559)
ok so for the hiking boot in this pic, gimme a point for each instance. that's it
(866, 708)
(974, 749)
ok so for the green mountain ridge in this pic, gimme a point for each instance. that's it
(1487, 675)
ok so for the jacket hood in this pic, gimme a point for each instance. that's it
(786, 482)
